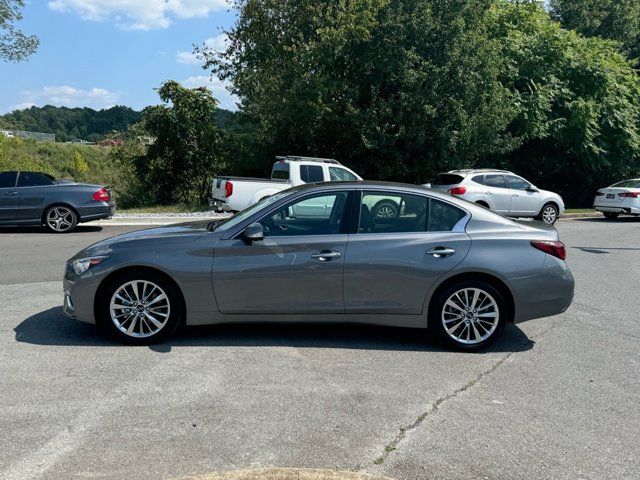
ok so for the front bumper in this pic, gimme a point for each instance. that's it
(79, 294)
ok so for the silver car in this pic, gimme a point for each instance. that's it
(503, 192)
(441, 263)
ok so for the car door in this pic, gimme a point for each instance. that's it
(8, 197)
(297, 267)
(497, 192)
(525, 201)
(392, 262)
(33, 189)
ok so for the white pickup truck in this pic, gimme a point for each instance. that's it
(233, 194)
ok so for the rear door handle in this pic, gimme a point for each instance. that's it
(441, 252)
(488, 193)
(515, 195)
(326, 256)
(10, 194)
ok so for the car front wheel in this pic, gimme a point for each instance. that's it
(139, 308)
(469, 315)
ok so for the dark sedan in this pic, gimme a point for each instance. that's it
(34, 198)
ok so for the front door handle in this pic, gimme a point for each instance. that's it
(10, 194)
(515, 195)
(441, 252)
(326, 255)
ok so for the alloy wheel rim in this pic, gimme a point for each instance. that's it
(470, 316)
(549, 215)
(60, 219)
(140, 308)
(386, 212)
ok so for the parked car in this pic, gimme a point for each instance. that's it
(619, 198)
(232, 194)
(503, 192)
(444, 264)
(34, 198)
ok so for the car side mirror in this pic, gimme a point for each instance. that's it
(531, 188)
(254, 232)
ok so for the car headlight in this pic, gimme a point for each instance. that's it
(83, 264)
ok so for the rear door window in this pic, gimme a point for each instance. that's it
(311, 173)
(496, 181)
(8, 179)
(387, 212)
(32, 179)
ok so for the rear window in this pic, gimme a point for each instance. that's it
(32, 179)
(627, 184)
(280, 171)
(311, 173)
(8, 179)
(447, 179)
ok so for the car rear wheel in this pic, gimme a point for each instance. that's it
(385, 209)
(549, 214)
(60, 219)
(139, 308)
(610, 215)
(469, 315)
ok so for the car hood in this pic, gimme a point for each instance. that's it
(169, 234)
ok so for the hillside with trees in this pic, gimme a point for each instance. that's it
(85, 123)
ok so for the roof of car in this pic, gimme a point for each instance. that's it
(479, 170)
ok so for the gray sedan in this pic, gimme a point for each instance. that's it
(34, 198)
(317, 254)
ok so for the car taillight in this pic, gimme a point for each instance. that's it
(629, 194)
(599, 194)
(228, 189)
(557, 249)
(458, 190)
(102, 195)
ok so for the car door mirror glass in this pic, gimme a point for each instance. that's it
(254, 232)
(531, 188)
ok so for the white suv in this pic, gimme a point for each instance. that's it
(503, 192)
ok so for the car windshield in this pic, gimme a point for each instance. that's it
(246, 213)
(635, 183)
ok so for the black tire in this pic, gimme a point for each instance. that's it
(60, 219)
(385, 209)
(610, 215)
(542, 216)
(439, 312)
(175, 311)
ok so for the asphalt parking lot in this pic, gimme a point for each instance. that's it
(554, 398)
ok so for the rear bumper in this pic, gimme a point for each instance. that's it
(219, 205)
(99, 211)
(544, 295)
(617, 209)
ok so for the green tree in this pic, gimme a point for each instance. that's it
(395, 88)
(189, 149)
(15, 46)
(612, 19)
(79, 166)
(577, 99)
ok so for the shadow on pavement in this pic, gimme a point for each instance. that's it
(52, 327)
(43, 230)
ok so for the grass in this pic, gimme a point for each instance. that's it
(167, 209)
(579, 210)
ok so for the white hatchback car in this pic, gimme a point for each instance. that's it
(503, 192)
(620, 198)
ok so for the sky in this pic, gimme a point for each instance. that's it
(100, 53)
